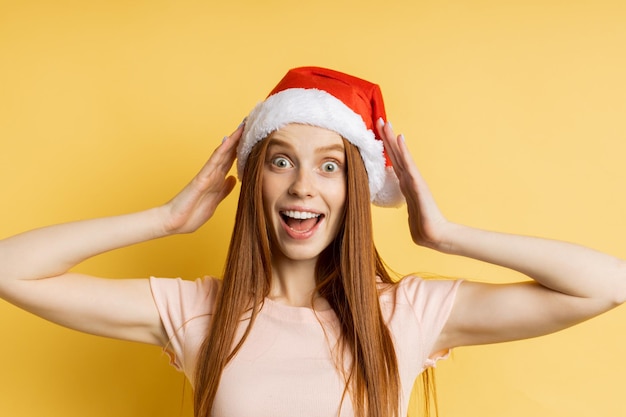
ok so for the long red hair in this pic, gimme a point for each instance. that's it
(346, 277)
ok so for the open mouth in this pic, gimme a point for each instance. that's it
(300, 221)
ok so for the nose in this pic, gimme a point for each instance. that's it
(303, 184)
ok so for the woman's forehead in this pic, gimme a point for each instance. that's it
(305, 135)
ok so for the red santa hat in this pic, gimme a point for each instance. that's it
(335, 101)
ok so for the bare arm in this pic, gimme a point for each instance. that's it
(34, 277)
(34, 265)
(571, 283)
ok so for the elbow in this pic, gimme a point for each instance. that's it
(610, 287)
(617, 289)
(619, 295)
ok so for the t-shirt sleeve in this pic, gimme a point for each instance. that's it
(185, 308)
(431, 301)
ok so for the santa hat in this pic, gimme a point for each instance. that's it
(335, 101)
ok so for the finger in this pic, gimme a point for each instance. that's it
(228, 186)
(230, 142)
(219, 164)
(390, 141)
(232, 139)
(380, 125)
(408, 162)
(400, 151)
(224, 155)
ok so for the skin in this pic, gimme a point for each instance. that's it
(34, 265)
(571, 283)
(304, 172)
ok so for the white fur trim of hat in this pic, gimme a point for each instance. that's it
(319, 108)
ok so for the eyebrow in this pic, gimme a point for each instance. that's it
(330, 148)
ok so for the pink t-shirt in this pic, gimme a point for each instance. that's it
(286, 365)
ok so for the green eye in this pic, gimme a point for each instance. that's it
(330, 167)
(281, 162)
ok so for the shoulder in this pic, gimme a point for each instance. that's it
(415, 311)
(425, 301)
(191, 296)
(414, 290)
(185, 308)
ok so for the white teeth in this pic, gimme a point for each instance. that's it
(300, 215)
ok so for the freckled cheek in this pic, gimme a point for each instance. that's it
(336, 197)
(271, 191)
(335, 190)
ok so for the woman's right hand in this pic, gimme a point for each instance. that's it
(34, 265)
(196, 203)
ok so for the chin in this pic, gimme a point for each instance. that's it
(300, 252)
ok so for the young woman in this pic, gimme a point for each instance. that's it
(306, 321)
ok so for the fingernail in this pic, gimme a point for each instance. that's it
(381, 121)
(224, 139)
(402, 137)
(243, 122)
(389, 123)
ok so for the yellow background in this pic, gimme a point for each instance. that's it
(513, 109)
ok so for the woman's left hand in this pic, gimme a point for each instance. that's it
(427, 224)
(573, 283)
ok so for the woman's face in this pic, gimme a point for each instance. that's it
(304, 189)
